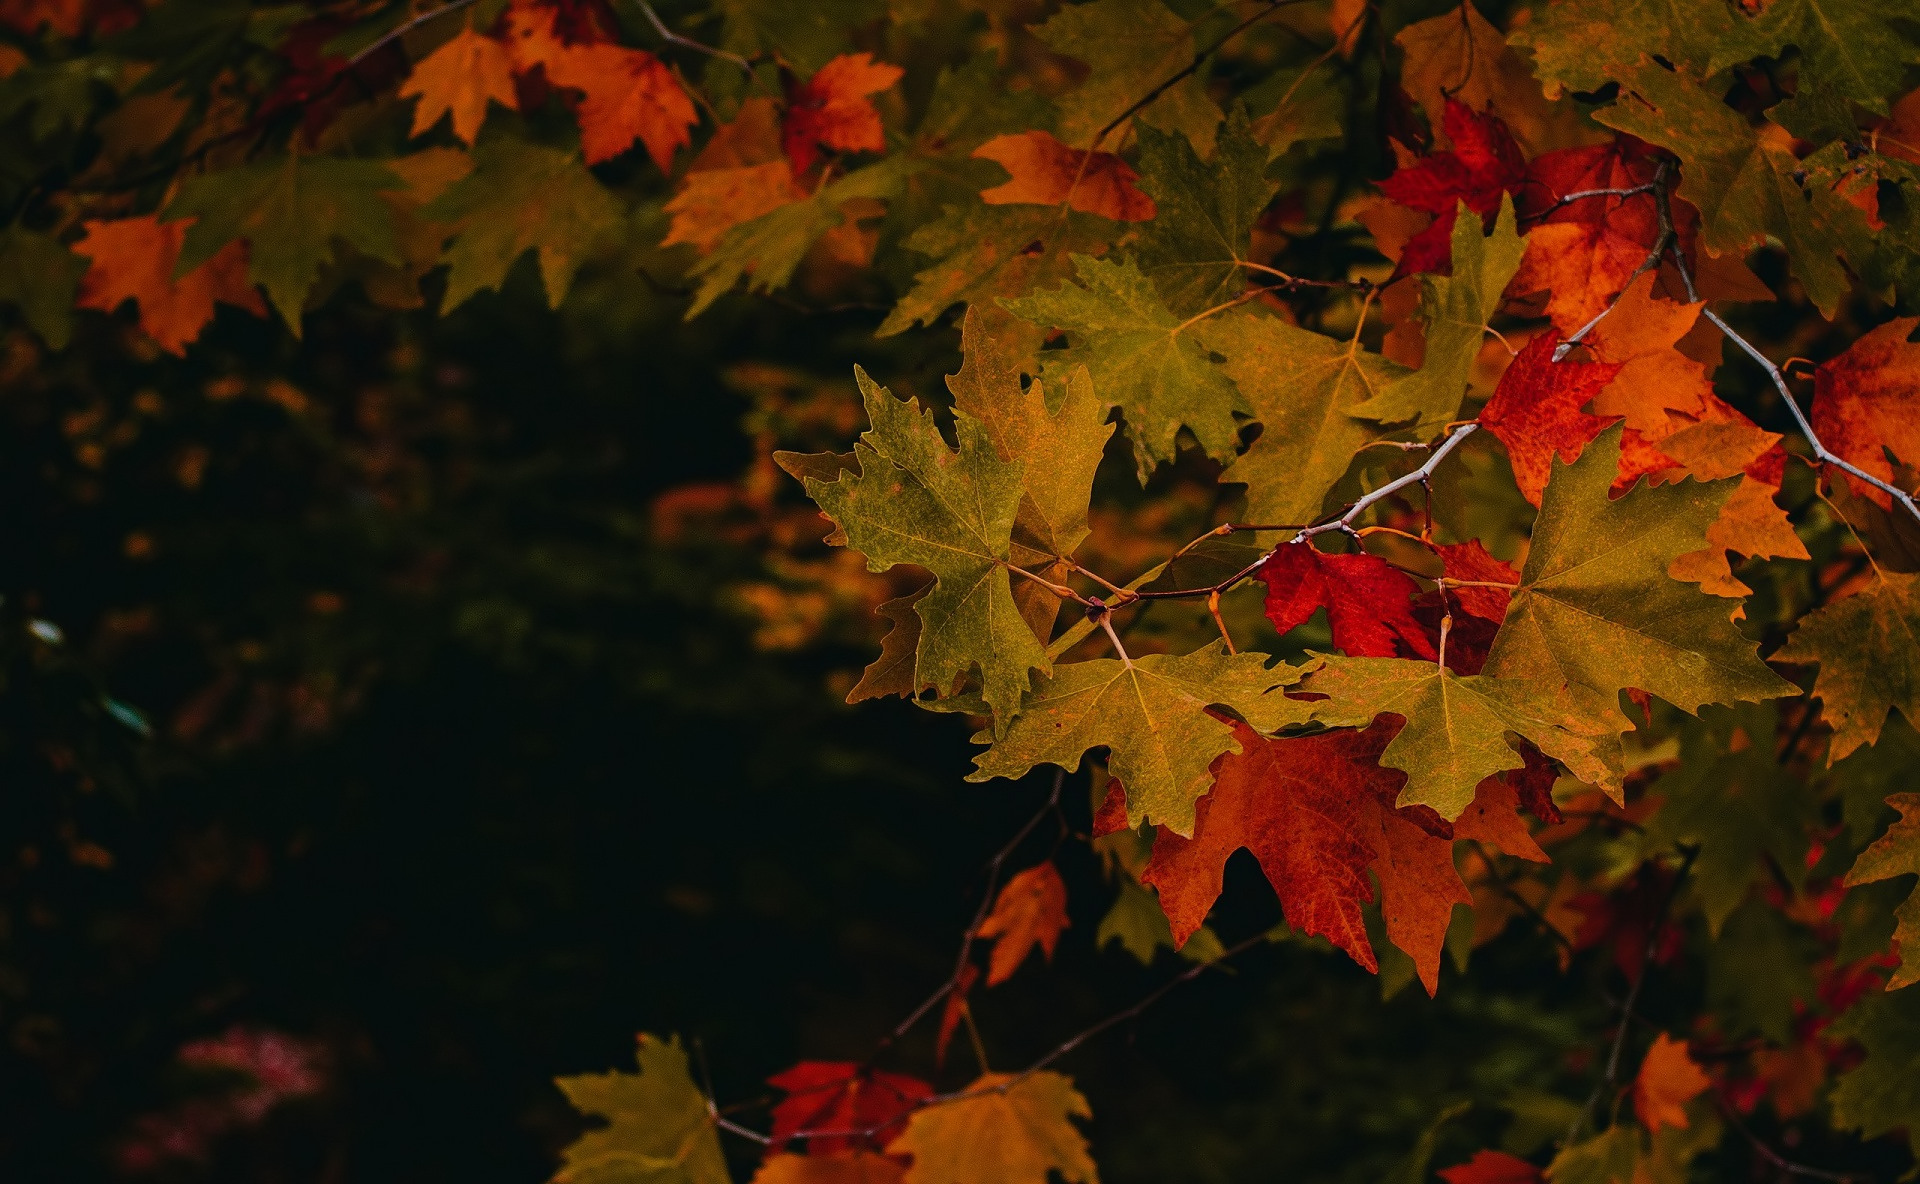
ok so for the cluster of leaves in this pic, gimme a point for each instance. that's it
(1496, 580)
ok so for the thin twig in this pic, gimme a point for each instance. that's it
(1780, 1162)
(401, 30)
(673, 38)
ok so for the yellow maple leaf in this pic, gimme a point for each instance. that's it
(1006, 1129)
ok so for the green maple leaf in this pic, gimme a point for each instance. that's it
(1455, 310)
(1897, 853)
(766, 251)
(1456, 728)
(41, 277)
(1883, 1093)
(1204, 214)
(1067, 433)
(1129, 47)
(1868, 649)
(522, 197)
(1759, 972)
(1746, 185)
(1139, 924)
(658, 1129)
(1857, 47)
(804, 36)
(1596, 610)
(1735, 802)
(293, 211)
(1151, 714)
(911, 499)
(985, 252)
(1611, 1157)
(1303, 388)
(1584, 44)
(1142, 360)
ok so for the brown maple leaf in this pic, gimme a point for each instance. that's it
(1043, 171)
(1030, 911)
(832, 109)
(459, 79)
(134, 258)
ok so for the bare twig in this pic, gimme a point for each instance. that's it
(401, 30)
(673, 38)
(1780, 1162)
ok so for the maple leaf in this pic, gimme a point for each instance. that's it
(1302, 388)
(1581, 45)
(1483, 168)
(1535, 410)
(1882, 1093)
(134, 259)
(841, 1167)
(1456, 725)
(985, 252)
(1151, 714)
(1868, 649)
(1492, 1167)
(626, 95)
(292, 212)
(1123, 42)
(832, 108)
(1658, 390)
(952, 1010)
(1201, 234)
(40, 277)
(1471, 562)
(1368, 601)
(1667, 1081)
(459, 79)
(1458, 56)
(522, 197)
(1584, 252)
(1291, 803)
(657, 1122)
(1030, 911)
(1868, 399)
(1004, 1129)
(1455, 310)
(911, 499)
(713, 201)
(842, 1096)
(1596, 609)
(1897, 853)
(1746, 182)
(1141, 360)
(1857, 47)
(1043, 171)
(892, 672)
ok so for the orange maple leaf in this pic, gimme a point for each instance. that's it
(1535, 411)
(739, 175)
(1030, 911)
(1043, 171)
(458, 79)
(134, 259)
(832, 108)
(1583, 252)
(626, 95)
(840, 1167)
(1869, 398)
(1668, 1080)
(1658, 390)
(68, 18)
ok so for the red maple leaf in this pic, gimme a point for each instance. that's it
(1368, 602)
(1492, 1167)
(832, 108)
(842, 1096)
(955, 1007)
(1475, 609)
(1535, 411)
(1484, 164)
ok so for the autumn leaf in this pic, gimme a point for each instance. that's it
(1897, 853)
(135, 259)
(1868, 399)
(832, 109)
(1583, 252)
(657, 1122)
(844, 1097)
(713, 201)
(841, 1167)
(1657, 389)
(1483, 167)
(1198, 248)
(1868, 648)
(1030, 911)
(1535, 410)
(1003, 1129)
(1857, 48)
(626, 95)
(1882, 1093)
(1458, 56)
(1151, 713)
(982, 253)
(1581, 45)
(40, 277)
(1043, 171)
(1122, 43)
(1369, 602)
(1597, 609)
(1667, 1081)
(459, 79)
(1492, 1167)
